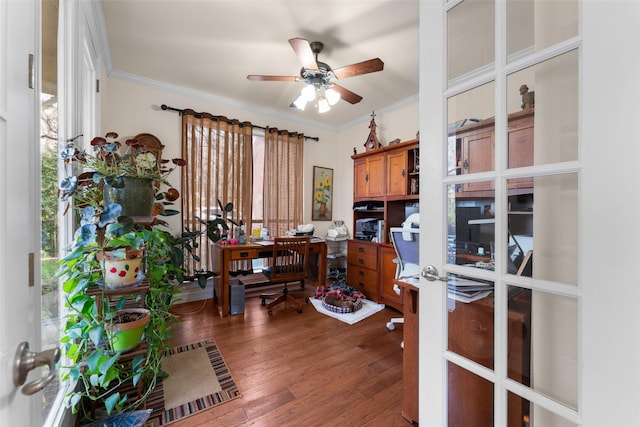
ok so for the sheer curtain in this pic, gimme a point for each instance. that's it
(283, 166)
(219, 159)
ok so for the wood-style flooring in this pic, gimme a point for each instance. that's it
(303, 369)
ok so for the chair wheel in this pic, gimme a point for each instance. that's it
(390, 326)
(306, 299)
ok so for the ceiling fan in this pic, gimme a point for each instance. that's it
(320, 77)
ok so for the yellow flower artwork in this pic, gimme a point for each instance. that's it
(322, 194)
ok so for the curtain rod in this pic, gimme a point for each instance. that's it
(167, 108)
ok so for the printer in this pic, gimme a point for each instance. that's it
(367, 228)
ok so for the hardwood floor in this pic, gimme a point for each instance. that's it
(303, 369)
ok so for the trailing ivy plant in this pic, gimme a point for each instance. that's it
(98, 374)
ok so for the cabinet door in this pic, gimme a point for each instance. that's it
(387, 270)
(375, 171)
(477, 152)
(521, 150)
(360, 178)
(397, 173)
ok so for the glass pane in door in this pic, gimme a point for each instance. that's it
(548, 323)
(545, 231)
(471, 128)
(470, 225)
(536, 25)
(471, 38)
(542, 107)
(526, 414)
(470, 398)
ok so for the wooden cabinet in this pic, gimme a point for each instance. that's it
(387, 274)
(368, 176)
(386, 179)
(362, 266)
(475, 152)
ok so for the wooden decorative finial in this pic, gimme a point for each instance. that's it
(372, 142)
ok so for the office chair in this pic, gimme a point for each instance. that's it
(289, 263)
(406, 242)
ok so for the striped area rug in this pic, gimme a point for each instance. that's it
(226, 391)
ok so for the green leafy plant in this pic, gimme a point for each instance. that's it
(218, 228)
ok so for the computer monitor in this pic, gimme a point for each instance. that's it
(406, 242)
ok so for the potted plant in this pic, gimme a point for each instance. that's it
(217, 228)
(94, 335)
(126, 174)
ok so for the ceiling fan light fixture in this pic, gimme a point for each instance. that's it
(333, 96)
(309, 92)
(323, 105)
(300, 102)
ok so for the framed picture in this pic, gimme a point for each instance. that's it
(322, 208)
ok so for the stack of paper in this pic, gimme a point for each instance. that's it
(467, 290)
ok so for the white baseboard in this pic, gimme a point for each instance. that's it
(191, 291)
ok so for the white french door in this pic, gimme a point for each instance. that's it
(19, 237)
(518, 210)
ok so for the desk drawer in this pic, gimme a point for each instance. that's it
(244, 254)
(364, 280)
(363, 254)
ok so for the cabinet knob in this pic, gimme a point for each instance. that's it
(360, 249)
(366, 178)
(361, 261)
(476, 327)
(403, 173)
(465, 164)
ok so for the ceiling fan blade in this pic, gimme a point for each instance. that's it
(272, 78)
(364, 67)
(302, 48)
(347, 95)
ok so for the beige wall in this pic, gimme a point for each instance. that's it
(130, 108)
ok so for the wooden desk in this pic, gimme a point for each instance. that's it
(409, 298)
(225, 254)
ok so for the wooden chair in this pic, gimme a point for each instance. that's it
(289, 263)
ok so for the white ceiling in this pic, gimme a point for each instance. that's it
(210, 46)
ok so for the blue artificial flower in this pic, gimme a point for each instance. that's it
(110, 214)
(86, 234)
(67, 153)
(111, 147)
(88, 215)
(69, 184)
